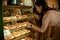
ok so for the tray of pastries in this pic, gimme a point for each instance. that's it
(9, 37)
(17, 26)
(20, 32)
(27, 38)
(17, 17)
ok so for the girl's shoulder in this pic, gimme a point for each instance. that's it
(49, 13)
(52, 12)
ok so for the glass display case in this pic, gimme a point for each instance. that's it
(15, 18)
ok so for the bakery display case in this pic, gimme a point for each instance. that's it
(16, 31)
(15, 18)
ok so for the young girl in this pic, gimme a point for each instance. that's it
(50, 18)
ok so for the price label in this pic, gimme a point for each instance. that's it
(6, 32)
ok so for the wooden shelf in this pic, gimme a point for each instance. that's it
(16, 6)
(22, 36)
(29, 17)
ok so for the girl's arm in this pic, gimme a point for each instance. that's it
(45, 23)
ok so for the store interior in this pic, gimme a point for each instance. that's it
(17, 14)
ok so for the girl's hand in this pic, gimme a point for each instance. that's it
(29, 25)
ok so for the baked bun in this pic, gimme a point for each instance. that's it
(16, 34)
(28, 38)
(26, 31)
(10, 36)
(5, 27)
(22, 39)
(17, 25)
(20, 24)
(21, 32)
(24, 16)
(12, 27)
(7, 18)
(24, 24)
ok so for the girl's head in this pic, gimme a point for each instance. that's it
(40, 6)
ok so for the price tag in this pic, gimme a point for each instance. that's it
(6, 32)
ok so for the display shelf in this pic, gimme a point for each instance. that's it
(22, 36)
(19, 33)
(21, 17)
(17, 26)
(16, 29)
(16, 6)
(30, 17)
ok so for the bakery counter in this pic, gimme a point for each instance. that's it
(16, 31)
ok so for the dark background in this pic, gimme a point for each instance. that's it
(1, 22)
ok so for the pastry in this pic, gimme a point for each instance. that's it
(13, 17)
(28, 38)
(4, 18)
(10, 36)
(20, 24)
(5, 27)
(17, 25)
(24, 16)
(22, 39)
(24, 24)
(26, 31)
(16, 34)
(7, 18)
(21, 32)
(12, 27)
(20, 17)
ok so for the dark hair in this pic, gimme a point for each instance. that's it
(44, 9)
(43, 4)
(59, 4)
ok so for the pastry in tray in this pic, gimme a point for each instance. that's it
(21, 32)
(13, 17)
(24, 24)
(20, 24)
(24, 16)
(23, 39)
(12, 27)
(9, 36)
(16, 34)
(7, 18)
(5, 27)
(26, 30)
(28, 38)
(20, 17)
(17, 25)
